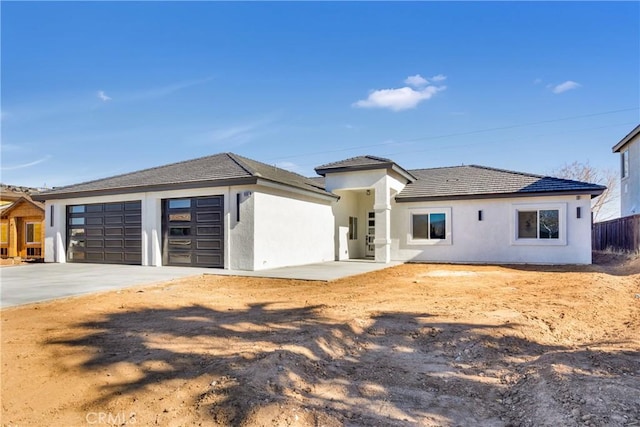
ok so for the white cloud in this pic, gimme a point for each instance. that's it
(438, 78)
(26, 165)
(416, 81)
(162, 91)
(563, 87)
(103, 96)
(241, 133)
(403, 98)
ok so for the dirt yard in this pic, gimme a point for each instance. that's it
(413, 345)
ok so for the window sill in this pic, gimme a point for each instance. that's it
(429, 242)
(539, 242)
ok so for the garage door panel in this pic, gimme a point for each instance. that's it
(98, 233)
(193, 232)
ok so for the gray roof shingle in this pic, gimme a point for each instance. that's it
(363, 163)
(218, 169)
(474, 181)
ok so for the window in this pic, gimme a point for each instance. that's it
(542, 224)
(33, 232)
(539, 224)
(625, 163)
(353, 228)
(179, 203)
(430, 226)
(4, 232)
(76, 209)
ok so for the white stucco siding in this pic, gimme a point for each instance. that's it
(493, 239)
(630, 185)
(291, 230)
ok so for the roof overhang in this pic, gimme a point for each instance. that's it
(592, 193)
(5, 212)
(144, 188)
(387, 166)
(624, 141)
(321, 194)
(183, 186)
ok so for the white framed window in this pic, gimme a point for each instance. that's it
(353, 228)
(624, 166)
(32, 232)
(429, 226)
(539, 224)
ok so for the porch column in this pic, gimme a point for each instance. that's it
(382, 209)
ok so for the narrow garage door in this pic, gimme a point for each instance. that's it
(108, 233)
(193, 232)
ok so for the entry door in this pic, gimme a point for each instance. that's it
(370, 247)
(193, 232)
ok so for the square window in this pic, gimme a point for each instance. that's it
(539, 224)
(430, 227)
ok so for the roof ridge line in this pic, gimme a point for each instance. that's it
(237, 159)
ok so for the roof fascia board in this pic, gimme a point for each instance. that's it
(635, 132)
(277, 185)
(147, 188)
(15, 204)
(387, 166)
(592, 193)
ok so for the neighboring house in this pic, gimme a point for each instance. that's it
(629, 149)
(21, 224)
(232, 212)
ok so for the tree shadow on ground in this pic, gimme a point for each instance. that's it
(392, 368)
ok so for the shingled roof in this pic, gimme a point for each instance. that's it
(217, 170)
(363, 163)
(472, 181)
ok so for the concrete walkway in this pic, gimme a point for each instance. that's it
(42, 282)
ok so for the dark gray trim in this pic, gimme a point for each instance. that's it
(145, 188)
(496, 196)
(624, 141)
(387, 165)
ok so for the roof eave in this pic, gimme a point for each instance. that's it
(322, 194)
(5, 212)
(593, 193)
(145, 188)
(624, 141)
(387, 166)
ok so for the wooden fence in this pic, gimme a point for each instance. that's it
(621, 234)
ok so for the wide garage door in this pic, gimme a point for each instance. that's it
(105, 233)
(193, 232)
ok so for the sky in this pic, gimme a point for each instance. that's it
(95, 89)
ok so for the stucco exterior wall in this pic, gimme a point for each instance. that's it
(630, 185)
(291, 230)
(493, 239)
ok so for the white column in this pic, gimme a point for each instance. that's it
(382, 209)
(151, 231)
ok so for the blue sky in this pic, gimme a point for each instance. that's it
(95, 89)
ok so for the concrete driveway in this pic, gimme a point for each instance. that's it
(42, 282)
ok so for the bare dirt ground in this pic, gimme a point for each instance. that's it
(413, 345)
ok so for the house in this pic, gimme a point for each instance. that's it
(232, 212)
(629, 149)
(21, 224)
